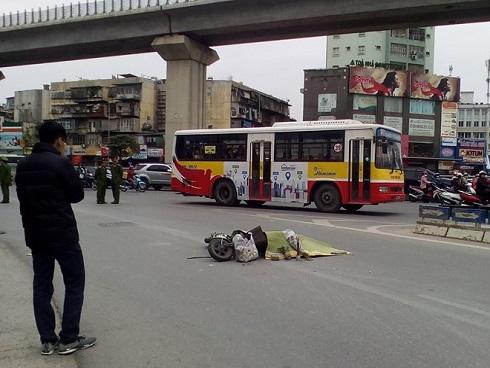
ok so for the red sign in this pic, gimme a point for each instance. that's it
(104, 151)
(76, 160)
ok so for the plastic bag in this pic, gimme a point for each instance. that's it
(245, 249)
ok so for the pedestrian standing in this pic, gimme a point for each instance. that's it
(101, 182)
(5, 179)
(47, 184)
(117, 176)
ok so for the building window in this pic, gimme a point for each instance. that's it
(468, 124)
(476, 124)
(483, 124)
(378, 48)
(427, 35)
(460, 135)
(398, 49)
(417, 34)
(362, 34)
(422, 107)
(467, 135)
(336, 51)
(361, 50)
(393, 104)
(365, 104)
(347, 48)
(461, 124)
(416, 52)
(336, 37)
(399, 33)
(427, 53)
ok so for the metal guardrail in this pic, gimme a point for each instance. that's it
(79, 10)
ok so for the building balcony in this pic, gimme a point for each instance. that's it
(128, 96)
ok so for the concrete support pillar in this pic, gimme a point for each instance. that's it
(186, 84)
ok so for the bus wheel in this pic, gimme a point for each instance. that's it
(327, 198)
(255, 203)
(352, 207)
(225, 193)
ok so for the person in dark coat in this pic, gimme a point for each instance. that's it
(101, 182)
(117, 177)
(5, 179)
(47, 184)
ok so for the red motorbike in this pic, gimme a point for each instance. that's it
(472, 199)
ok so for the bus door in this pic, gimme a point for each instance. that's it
(260, 170)
(359, 170)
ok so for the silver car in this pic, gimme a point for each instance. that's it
(155, 175)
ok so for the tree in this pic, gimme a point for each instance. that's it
(122, 145)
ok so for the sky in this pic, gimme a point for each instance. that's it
(275, 68)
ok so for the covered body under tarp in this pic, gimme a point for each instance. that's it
(311, 247)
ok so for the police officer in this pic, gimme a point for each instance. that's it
(5, 179)
(117, 176)
(101, 182)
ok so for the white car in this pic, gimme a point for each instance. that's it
(155, 175)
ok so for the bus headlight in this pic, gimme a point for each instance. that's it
(384, 189)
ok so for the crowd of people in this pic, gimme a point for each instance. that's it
(459, 182)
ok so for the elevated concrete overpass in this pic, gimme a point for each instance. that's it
(182, 33)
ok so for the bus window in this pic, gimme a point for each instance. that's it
(388, 150)
(310, 146)
(211, 147)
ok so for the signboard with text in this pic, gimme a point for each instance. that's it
(449, 120)
(472, 150)
(327, 102)
(421, 127)
(393, 122)
(368, 119)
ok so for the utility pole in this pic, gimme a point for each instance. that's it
(487, 63)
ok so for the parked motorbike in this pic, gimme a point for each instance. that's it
(472, 199)
(416, 194)
(88, 181)
(445, 197)
(137, 183)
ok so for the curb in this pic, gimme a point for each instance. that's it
(19, 340)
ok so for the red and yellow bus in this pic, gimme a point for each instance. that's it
(337, 163)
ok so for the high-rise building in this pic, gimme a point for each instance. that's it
(408, 48)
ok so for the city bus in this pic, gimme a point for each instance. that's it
(334, 164)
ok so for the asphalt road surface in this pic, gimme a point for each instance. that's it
(399, 300)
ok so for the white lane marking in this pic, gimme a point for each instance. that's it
(456, 305)
(327, 223)
(406, 300)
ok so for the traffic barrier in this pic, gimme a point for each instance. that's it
(454, 222)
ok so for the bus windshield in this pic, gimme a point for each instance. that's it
(388, 150)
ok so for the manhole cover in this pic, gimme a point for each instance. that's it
(117, 224)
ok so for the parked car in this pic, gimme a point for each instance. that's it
(155, 175)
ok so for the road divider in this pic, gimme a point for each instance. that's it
(456, 222)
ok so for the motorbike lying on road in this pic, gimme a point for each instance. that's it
(137, 183)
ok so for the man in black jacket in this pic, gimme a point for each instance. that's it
(47, 184)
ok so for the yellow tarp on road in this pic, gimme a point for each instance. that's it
(310, 246)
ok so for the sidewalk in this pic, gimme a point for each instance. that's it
(19, 341)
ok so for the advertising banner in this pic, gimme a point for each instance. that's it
(448, 152)
(449, 120)
(327, 102)
(365, 104)
(472, 150)
(434, 87)
(421, 127)
(393, 122)
(368, 119)
(450, 142)
(378, 81)
(155, 152)
(405, 143)
(10, 141)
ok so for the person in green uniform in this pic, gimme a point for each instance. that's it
(117, 177)
(5, 179)
(101, 182)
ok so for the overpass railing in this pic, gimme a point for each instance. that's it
(78, 10)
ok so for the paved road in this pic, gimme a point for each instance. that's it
(398, 301)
